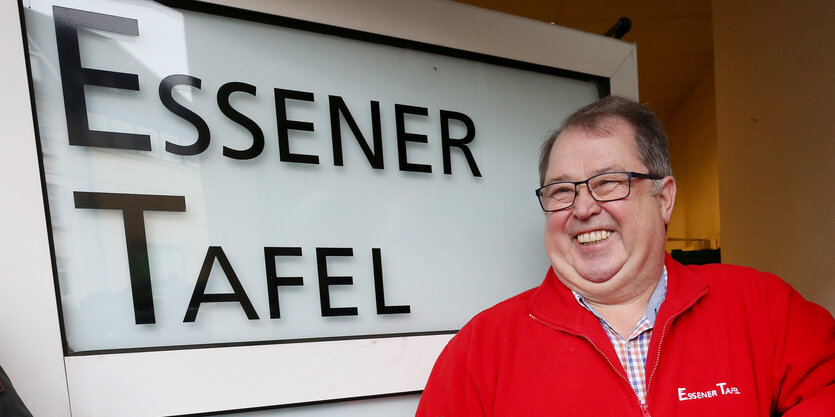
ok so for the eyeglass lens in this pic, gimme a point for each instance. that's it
(604, 187)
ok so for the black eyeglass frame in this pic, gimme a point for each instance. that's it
(629, 174)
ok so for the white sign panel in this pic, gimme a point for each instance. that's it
(214, 180)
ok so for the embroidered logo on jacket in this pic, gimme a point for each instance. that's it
(684, 395)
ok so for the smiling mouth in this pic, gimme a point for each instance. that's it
(597, 236)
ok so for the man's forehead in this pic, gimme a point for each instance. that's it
(593, 172)
(605, 147)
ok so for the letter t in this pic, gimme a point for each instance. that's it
(133, 206)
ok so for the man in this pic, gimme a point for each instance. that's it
(620, 329)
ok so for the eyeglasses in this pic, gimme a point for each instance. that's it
(608, 186)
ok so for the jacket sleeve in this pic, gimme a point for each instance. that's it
(451, 390)
(804, 361)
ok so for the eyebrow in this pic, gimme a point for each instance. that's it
(564, 178)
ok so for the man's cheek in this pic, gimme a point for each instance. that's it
(554, 225)
(555, 238)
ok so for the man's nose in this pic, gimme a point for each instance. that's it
(584, 204)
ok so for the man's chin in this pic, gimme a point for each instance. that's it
(597, 277)
(596, 273)
(593, 275)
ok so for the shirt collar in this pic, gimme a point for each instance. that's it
(653, 306)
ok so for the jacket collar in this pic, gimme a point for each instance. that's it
(554, 303)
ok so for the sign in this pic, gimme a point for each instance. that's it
(213, 180)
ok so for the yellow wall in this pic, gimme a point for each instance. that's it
(775, 102)
(691, 130)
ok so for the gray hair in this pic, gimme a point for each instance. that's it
(649, 133)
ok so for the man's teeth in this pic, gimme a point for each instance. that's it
(594, 237)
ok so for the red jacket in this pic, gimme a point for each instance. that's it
(728, 341)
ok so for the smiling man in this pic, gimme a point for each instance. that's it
(620, 329)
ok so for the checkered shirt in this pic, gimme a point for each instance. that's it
(633, 350)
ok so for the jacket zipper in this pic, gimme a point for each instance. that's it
(661, 341)
(658, 354)
(643, 405)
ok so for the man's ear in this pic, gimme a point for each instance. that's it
(667, 198)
